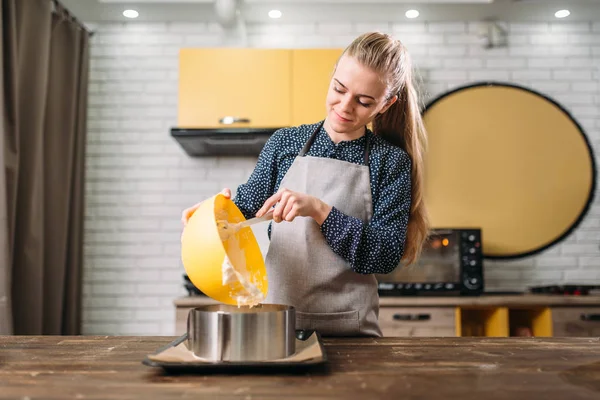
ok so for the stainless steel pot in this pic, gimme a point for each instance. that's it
(229, 333)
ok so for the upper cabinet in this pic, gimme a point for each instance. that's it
(224, 88)
(253, 88)
(312, 70)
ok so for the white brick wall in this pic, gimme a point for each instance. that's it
(139, 179)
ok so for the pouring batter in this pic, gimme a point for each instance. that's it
(351, 197)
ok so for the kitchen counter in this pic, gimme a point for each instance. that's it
(94, 367)
(497, 315)
(450, 301)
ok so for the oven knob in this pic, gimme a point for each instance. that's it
(472, 283)
(472, 250)
(427, 286)
(471, 238)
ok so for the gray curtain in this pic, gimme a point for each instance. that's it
(43, 106)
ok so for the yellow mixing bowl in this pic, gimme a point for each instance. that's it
(203, 252)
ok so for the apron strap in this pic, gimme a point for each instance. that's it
(311, 140)
(367, 148)
(313, 136)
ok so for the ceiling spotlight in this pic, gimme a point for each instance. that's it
(131, 13)
(275, 14)
(412, 14)
(562, 13)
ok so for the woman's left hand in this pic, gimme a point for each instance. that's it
(290, 205)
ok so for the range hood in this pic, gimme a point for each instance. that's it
(203, 142)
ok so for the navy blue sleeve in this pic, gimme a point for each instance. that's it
(251, 195)
(376, 247)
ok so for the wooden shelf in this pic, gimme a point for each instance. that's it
(483, 321)
(530, 321)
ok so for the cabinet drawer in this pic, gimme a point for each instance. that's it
(417, 321)
(576, 321)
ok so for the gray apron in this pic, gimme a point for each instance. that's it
(303, 270)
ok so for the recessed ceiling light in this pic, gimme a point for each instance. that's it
(131, 13)
(275, 14)
(562, 13)
(412, 14)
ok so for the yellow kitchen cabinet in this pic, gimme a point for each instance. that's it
(517, 320)
(536, 321)
(249, 86)
(312, 70)
(482, 321)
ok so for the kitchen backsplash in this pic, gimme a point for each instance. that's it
(139, 179)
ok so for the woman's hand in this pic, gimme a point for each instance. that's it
(188, 212)
(290, 205)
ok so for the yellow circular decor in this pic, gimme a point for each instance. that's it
(510, 161)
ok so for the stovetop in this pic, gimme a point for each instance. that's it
(566, 289)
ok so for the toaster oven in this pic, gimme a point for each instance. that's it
(451, 263)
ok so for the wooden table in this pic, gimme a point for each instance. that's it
(91, 367)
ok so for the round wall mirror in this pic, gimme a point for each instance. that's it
(510, 161)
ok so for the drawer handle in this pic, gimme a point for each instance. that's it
(590, 317)
(232, 120)
(412, 317)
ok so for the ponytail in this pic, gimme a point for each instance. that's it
(401, 124)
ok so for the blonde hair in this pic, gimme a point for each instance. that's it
(401, 124)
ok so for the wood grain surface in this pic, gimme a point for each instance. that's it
(93, 367)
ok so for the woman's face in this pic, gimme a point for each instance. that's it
(356, 95)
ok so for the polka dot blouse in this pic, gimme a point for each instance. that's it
(373, 247)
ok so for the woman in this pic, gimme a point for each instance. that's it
(351, 197)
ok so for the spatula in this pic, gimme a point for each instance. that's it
(226, 230)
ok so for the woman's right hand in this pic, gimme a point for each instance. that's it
(188, 212)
